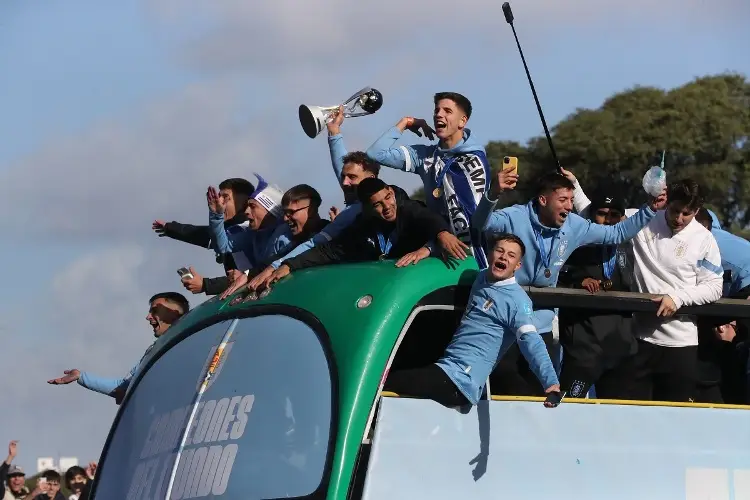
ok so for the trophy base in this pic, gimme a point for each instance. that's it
(311, 124)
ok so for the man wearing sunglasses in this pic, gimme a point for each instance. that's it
(598, 345)
(300, 212)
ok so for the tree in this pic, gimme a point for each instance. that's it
(704, 127)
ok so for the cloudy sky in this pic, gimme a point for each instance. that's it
(113, 114)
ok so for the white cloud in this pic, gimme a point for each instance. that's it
(115, 179)
(91, 316)
(248, 36)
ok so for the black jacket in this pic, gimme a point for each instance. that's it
(588, 262)
(415, 226)
(597, 337)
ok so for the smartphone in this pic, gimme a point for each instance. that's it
(554, 399)
(184, 272)
(511, 161)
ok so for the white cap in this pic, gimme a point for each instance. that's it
(268, 196)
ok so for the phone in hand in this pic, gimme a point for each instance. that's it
(185, 273)
(554, 399)
(510, 161)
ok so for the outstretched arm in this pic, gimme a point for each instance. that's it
(597, 234)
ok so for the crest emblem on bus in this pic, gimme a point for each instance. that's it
(213, 365)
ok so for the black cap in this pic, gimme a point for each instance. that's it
(607, 199)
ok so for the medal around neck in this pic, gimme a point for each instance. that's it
(314, 118)
(437, 193)
(547, 273)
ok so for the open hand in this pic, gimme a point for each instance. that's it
(68, 377)
(452, 246)
(237, 279)
(413, 257)
(216, 203)
(261, 278)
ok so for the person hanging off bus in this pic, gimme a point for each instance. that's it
(551, 233)
(455, 171)
(498, 315)
(391, 226)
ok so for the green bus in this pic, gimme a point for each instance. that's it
(279, 396)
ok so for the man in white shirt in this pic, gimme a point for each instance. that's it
(677, 258)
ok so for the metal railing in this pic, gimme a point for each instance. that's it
(573, 298)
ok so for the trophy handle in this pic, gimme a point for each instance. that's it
(356, 95)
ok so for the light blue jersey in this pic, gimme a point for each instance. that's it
(257, 246)
(108, 386)
(735, 256)
(548, 248)
(498, 314)
(454, 179)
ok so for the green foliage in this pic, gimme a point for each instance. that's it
(704, 126)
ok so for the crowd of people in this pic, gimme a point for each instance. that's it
(48, 484)
(672, 247)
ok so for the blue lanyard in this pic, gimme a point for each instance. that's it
(446, 166)
(385, 246)
(609, 261)
(546, 257)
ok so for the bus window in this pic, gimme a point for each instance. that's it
(260, 430)
(427, 336)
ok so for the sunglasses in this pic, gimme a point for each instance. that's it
(290, 213)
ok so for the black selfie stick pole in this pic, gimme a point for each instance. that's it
(509, 18)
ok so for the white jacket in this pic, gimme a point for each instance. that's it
(686, 266)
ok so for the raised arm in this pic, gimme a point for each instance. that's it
(406, 158)
(597, 234)
(581, 202)
(336, 144)
(486, 218)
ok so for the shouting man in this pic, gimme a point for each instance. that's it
(455, 171)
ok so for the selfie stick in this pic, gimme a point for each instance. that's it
(509, 18)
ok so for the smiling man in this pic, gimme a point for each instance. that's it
(498, 315)
(455, 171)
(551, 233)
(391, 227)
(164, 311)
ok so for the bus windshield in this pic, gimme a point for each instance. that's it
(259, 427)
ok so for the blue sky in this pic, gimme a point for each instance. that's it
(114, 114)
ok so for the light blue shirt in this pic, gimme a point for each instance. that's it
(549, 248)
(498, 314)
(257, 245)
